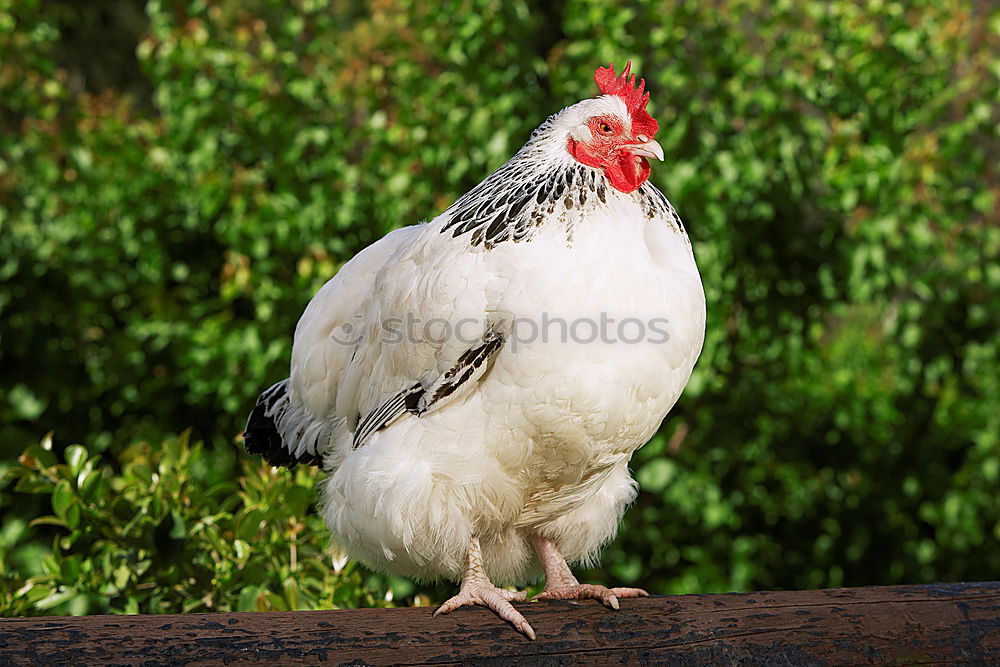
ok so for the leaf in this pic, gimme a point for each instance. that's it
(34, 593)
(291, 590)
(247, 600)
(72, 567)
(73, 516)
(55, 598)
(89, 483)
(248, 523)
(32, 484)
(62, 498)
(76, 457)
(38, 457)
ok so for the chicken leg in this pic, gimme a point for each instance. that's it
(560, 584)
(477, 588)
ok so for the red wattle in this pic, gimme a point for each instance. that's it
(624, 173)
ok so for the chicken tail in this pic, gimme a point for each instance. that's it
(261, 435)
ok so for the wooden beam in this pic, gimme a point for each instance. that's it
(891, 625)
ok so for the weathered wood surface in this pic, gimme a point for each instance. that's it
(898, 625)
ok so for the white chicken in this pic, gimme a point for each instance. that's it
(475, 386)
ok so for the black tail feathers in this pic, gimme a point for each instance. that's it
(261, 434)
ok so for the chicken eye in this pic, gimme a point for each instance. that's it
(604, 128)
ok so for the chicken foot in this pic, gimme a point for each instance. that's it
(476, 588)
(560, 584)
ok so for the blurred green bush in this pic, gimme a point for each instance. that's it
(171, 528)
(167, 210)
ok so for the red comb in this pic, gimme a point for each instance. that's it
(623, 86)
(635, 100)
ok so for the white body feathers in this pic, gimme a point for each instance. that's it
(600, 309)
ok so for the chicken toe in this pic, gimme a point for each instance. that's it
(476, 589)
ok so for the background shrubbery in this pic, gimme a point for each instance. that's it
(176, 181)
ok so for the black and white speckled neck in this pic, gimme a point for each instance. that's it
(508, 206)
(543, 185)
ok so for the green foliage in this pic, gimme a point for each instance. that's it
(835, 162)
(170, 528)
